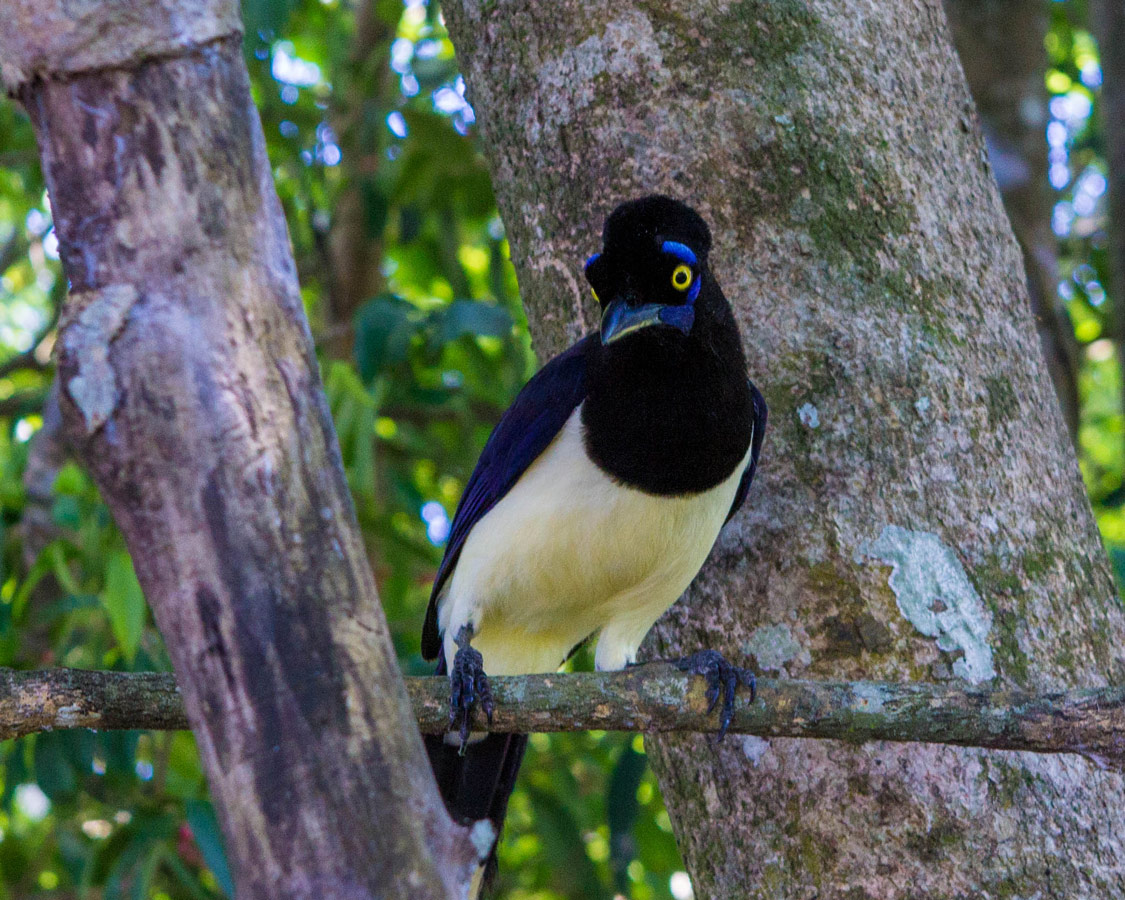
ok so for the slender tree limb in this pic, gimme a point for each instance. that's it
(648, 698)
(49, 699)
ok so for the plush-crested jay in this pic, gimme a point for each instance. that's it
(600, 492)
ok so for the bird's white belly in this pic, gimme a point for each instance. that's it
(567, 552)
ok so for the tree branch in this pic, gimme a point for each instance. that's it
(648, 698)
(50, 699)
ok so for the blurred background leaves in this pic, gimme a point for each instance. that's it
(423, 343)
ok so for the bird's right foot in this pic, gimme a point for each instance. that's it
(468, 684)
(722, 680)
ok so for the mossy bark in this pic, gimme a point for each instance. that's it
(190, 391)
(916, 460)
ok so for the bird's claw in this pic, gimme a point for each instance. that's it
(722, 682)
(468, 685)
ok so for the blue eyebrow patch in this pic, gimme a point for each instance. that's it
(591, 260)
(682, 252)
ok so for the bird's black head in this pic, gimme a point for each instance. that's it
(652, 267)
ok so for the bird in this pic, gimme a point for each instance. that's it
(599, 494)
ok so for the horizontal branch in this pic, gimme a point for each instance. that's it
(647, 698)
(46, 699)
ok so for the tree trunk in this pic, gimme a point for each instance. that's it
(916, 459)
(1107, 19)
(190, 391)
(1000, 43)
(355, 242)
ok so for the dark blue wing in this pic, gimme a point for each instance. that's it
(524, 431)
(755, 449)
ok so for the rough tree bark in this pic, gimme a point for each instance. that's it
(191, 393)
(916, 461)
(1000, 44)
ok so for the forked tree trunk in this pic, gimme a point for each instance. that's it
(191, 393)
(920, 513)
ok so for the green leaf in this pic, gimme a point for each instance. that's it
(564, 848)
(142, 881)
(376, 208)
(183, 777)
(621, 812)
(60, 569)
(205, 829)
(79, 746)
(473, 317)
(71, 481)
(65, 512)
(16, 771)
(383, 329)
(135, 851)
(185, 876)
(106, 855)
(125, 603)
(1117, 559)
(267, 17)
(363, 465)
(120, 750)
(53, 770)
(39, 569)
(15, 860)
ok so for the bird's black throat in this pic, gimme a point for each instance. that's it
(670, 414)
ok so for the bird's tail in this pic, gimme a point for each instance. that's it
(477, 785)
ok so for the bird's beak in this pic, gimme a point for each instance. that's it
(620, 319)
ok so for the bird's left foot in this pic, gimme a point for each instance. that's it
(722, 682)
(468, 685)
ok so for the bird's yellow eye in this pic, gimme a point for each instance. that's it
(681, 277)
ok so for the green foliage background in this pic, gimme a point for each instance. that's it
(373, 150)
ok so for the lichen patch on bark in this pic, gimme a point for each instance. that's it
(934, 593)
(772, 646)
(99, 319)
